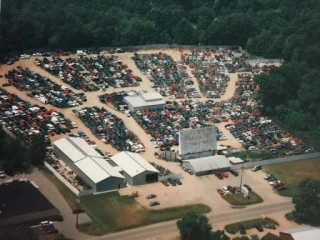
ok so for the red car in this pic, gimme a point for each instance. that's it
(219, 175)
(220, 191)
(224, 174)
(165, 183)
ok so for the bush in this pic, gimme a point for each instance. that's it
(233, 228)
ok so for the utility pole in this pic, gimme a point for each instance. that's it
(241, 177)
(77, 215)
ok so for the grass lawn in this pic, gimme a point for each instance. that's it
(111, 212)
(238, 199)
(292, 173)
(233, 228)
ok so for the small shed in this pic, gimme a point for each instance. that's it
(235, 160)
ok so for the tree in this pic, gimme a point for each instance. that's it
(194, 226)
(307, 202)
(15, 155)
(37, 149)
(183, 32)
(219, 235)
(19, 232)
(3, 136)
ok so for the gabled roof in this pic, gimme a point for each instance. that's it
(96, 170)
(132, 163)
(88, 160)
(303, 233)
(71, 151)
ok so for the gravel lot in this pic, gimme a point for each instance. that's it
(194, 189)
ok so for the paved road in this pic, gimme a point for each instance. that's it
(157, 230)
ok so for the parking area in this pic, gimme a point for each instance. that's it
(204, 190)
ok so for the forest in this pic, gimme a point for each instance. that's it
(287, 29)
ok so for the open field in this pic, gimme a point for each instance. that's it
(234, 227)
(293, 172)
(239, 200)
(112, 212)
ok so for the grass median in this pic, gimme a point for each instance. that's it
(237, 199)
(233, 228)
(111, 212)
(309, 168)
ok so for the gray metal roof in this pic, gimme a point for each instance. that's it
(132, 163)
(208, 163)
(304, 233)
(87, 159)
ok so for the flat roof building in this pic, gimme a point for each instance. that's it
(135, 169)
(143, 100)
(208, 165)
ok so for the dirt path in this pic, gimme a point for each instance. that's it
(131, 124)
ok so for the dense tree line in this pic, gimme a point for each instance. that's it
(275, 29)
(307, 202)
(15, 155)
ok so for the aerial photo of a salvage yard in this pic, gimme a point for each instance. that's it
(159, 120)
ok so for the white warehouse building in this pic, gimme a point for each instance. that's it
(135, 169)
(143, 100)
(88, 164)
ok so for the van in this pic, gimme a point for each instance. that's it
(256, 168)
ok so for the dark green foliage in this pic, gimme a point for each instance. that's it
(194, 226)
(241, 238)
(286, 29)
(37, 150)
(20, 232)
(219, 235)
(307, 202)
(15, 155)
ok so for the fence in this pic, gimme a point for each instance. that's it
(277, 160)
(263, 60)
(145, 47)
(69, 185)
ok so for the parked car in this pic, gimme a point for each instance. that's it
(154, 203)
(259, 228)
(51, 231)
(270, 226)
(234, 173)
(277, 185)
(45, 223)
(224, 174)
(178, 181)
(242, 229)
(2, 174)
(281, 188)
(266, 177)
(6, 85)
(172, 182)
(247, 187)
(165, 183)
(231, 189)
(219, 175)
(256, 168)
(151, 196)
(220, 191)
(225, 190)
